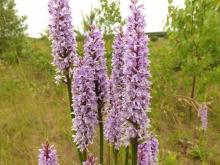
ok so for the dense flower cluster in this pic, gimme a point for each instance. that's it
(114, 122)
(126, 95)
(48, 155)
(148, 152)
(94, 48)
(84, 104)
(154, 149)
(91, 161)
(117, 67)
(136, 70)
(61, 33)
(203, 114)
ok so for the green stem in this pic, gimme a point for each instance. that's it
(134, 145)
(126, 155)
(84, 156)
(101, 137)
(69, 89)
(109, 155)
(115, 151)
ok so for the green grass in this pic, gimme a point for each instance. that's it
(34, 109)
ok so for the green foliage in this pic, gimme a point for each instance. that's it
(170, 159)
(34, 109)
(39, 54)
(199, 152)
(154, 38)
(108, 16)
(88, 21)
(174, 63)
(168, 115)
(12, 28)
(194, 39)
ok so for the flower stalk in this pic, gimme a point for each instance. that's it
(126, 155)
(134, 149)
(116, 152)
(63, 44)
(95, 49)
(137, 74)
(69, 90)
(101, 136)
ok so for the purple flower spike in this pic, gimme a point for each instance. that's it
(114, 122)
(117, 67)
(203, 114)
(61, 34)
(136, 70)
(154, 149)
(48, 155)
(144, 154)
(84, 104)
(148, 152)
(91, 161)
(94, 48)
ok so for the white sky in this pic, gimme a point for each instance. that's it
(37, 15)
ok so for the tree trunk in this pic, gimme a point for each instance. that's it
(192, 95)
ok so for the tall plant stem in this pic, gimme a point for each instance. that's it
(126, 155)
(109, 155)
(192, 95)
(84, 156)
(115, 151)
(69, 89)
(134, 147)
(101, 137)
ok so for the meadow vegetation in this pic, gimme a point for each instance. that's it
(33, 108)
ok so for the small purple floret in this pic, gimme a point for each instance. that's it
(148, 152)
(47, 155)
(91, 161)
(203, 114)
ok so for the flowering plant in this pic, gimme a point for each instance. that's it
(118, 105)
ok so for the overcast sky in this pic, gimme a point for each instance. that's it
(37, 15)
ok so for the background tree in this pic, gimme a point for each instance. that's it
(194, 39)
(108, 15)
(12, 30)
